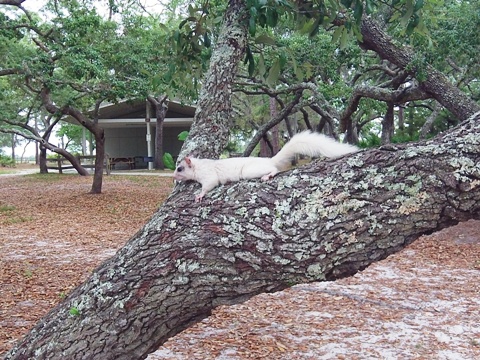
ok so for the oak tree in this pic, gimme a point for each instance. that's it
(323, 221)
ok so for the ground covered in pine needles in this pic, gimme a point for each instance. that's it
(421, 303)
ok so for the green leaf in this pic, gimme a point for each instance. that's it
(272, 18)
(191, 18)
(357, 33)
(412, 24)
(250, 61)
(261, 66)
(296, 69)
(168, 161)
(262, 20)
(333, 6)
(265, 39)
(369, 6)
(299, 73)
(418, 5)
(283, 60)
(183, 135)
(306, 28)
(251, 67)
(316, 26)
(358, 11)
(274, 73)
(344, 39)
(408, 13)
(337, 33)
(74, 311)
(252, 26)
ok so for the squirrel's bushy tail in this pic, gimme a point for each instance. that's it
(313, 145)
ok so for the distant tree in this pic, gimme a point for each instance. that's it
(73, 135)
(65, 67)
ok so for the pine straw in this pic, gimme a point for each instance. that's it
(421, 303)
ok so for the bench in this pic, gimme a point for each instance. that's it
(87, 161)
(128, 161)
(61, 163)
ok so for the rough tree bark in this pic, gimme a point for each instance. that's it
(210, 134)
(324, 221)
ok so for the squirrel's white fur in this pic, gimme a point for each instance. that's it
(211, 173)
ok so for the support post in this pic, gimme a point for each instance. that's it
(149, 136)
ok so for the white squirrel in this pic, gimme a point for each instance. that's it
(211, 173)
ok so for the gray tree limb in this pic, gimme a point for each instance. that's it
(431, 81)
(324, 221)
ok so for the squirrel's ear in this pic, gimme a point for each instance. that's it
(188, 161)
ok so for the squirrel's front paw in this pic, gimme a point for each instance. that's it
(199, 197)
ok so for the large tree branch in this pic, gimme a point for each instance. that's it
(12, 2)
(431, 81)
(12, 71)
(381, 94)
(316, 101)
(324, 221)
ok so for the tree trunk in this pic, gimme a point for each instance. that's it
(91, 126)
(160, 105)
(401, 117)
(324, 221)
(266, 148)
(431, 81)
(388, 124)
(209, 134)
(97, 183)
(14, 145)
(269, 145)
(42, 159)
(275, 135)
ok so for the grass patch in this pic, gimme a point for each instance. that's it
(5, 171)
(4, 208)
(50, 177)
(8, 216)
(11, 220)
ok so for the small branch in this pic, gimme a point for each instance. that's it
(380, 94)
(427, 126)
(291, 108)
(12, 71)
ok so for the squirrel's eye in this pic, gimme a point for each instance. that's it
(180, 169)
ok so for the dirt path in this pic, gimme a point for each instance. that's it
(421, 303)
